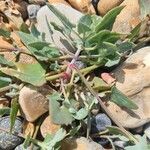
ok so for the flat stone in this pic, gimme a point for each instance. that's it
(48, 127)
(105, 5)
(33, 102)
(72, 14)
(133, 79)
(81, 143)
(128, 18)
(7, 140)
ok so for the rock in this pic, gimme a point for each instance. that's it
(147, 130)
(128, 18)
(80, 144)
(99, 123)
(20, 147)
(72, 14)
(48, 127)
(120, 144)
(84, 6)
(7, 140)
(133, 80)
(58, 1)
(33, 101)
(32, 11)
(105, 5)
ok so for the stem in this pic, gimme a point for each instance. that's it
(88, 125)
(105, 108)
(85, 71)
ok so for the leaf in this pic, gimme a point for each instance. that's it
(24, 28)
(50, 142)
(122, 100)
(4, 33)
(4, 61)
(109, 19)
(59, 114)
(81, 114)
(84, 24)
(144, 8)
(4, 80)
(13, 113)
(4, 111)
(141, 145)
(30, 73)
(65, 21)
(34, 31)
(27, 141)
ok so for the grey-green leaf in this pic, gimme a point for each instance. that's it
(144, 7)
(109, 19)
(120, 99)
(81, 114)
(13, 113)
(4, 61)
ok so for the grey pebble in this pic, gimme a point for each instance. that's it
(9, 141)
(32, 11)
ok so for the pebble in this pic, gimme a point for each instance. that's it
(9, 141)
(32, 11)
(99, 123)
(33, 101)
(21, 147)
(133, 79)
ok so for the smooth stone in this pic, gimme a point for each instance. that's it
(33, 101)
(48, 127)
(9, 141)
(105, 5)
(21, 147)
(58, 1)
(133, 79)
(72, 14)
(81, 143)
(128, 18)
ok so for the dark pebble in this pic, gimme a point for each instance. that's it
(99, 123)
(9, 141)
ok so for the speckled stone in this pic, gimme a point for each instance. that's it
(9, 141)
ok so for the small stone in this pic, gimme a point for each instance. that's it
(120, 144)
(33, 101)
(21, 147)
(7, 140)
(48, 127)
(32, 11)
(99, 123)
(133, 79)
(105, 5)
(44, 12)
(128, 18)
(58, 1)
(81, 143)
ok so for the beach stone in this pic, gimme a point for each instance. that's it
(128, 18)
(72, 14)
(48, 127)
(7, 140)
(81, 143)
(133, 79)
(105, 5)
(33, 101)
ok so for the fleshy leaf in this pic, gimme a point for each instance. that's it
(120, 99)
(109, 19)
(81, 114)
(30, 73)
(4, 61)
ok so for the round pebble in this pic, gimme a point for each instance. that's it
(9, 141)
(99, 123)
(32, 11)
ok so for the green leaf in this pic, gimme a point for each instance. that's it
(4, 33)
(4, 80)
(24, 28)
(102, 36)
(13, 113)
(34, 31)
(27, 141)
(84, 24)
(4, 61)
(65, 21)
(30, 73)
(81, 114)
(59, 114)
(144, 8)
(141, 145)
(120, 99)
(109, 19)
(4, 111)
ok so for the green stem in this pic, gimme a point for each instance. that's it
(85, 71)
